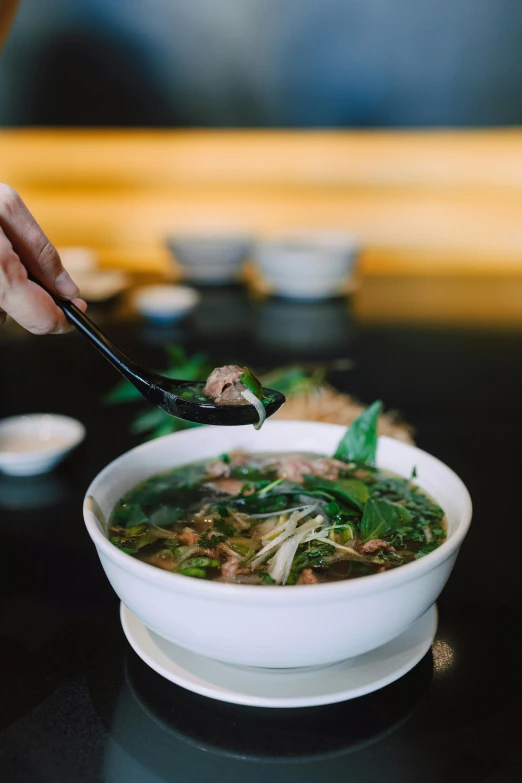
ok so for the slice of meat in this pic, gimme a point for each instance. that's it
(224, 387)
(189, 537)
(295, 466)
(307, 577)
(228, 485)
(375, 544)
(206, 552)
(362, 474)
(230, 569)
(238, 459)
(218, 469)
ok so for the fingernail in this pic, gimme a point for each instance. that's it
(66, 286)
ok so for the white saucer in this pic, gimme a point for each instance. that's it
(282, 687)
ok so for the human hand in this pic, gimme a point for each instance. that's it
(24, 249)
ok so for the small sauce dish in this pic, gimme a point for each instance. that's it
(210, 259)
(308, 265)
(165, 303)
(37, 442)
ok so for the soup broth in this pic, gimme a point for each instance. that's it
(276, 519)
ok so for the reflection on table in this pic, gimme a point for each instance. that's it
(318, 330)
(158, 728)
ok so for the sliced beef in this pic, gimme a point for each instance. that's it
(224, 387)
(374, 545)
(189, 537)
(230, 569)
(218, 469)
(229, 486)
(307, 577)
(295, 466)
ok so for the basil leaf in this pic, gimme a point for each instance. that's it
(360, 441)
(353, 491)
(382, 517)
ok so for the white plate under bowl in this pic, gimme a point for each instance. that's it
(256, 687)
(35, 443)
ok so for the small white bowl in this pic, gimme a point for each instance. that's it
(275, 627)
(35, 443)
(165, 303)
(210, 260)
(78, 259)
(100, 285)
(307, 265)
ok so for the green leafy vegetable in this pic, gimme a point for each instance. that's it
(224, 527)
(352, 491)
(164, 516)
(198, 573)
(315, 556)
(133, 516)
(427, 549)
(208, 540)
(252, 383)
(382, 517)
(202, 562)
(360, 441)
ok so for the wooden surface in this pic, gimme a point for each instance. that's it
(421, 203)
(440, 207)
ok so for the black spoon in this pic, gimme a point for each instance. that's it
(182, 399)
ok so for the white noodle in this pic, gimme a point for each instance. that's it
(289, 529)
(271, 513)
(258, 405)
(281, 564)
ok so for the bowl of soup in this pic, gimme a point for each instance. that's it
(261, 549)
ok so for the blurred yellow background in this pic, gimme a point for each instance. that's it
(443, 206)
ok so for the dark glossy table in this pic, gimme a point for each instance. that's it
(76, 704)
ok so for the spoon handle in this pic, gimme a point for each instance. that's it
(134, 372)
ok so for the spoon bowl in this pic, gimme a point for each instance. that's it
(187, 401)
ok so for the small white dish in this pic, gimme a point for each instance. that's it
(282, 688)
(78, 259)
(210, 259)
(98, 285)
(165, 303)
(308, 265)
(35, 443)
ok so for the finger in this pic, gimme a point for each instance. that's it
(27, 302)
(34, 249)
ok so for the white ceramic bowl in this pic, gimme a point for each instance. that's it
(307, 265)
(210, 260)
(275, 627)
(35, 443)
(100, 285)
(165, 303)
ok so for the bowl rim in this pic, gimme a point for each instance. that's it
(218, 591)
(76, 435)
(209, 237)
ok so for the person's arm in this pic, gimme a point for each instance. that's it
(7, 12)
(25, 248)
